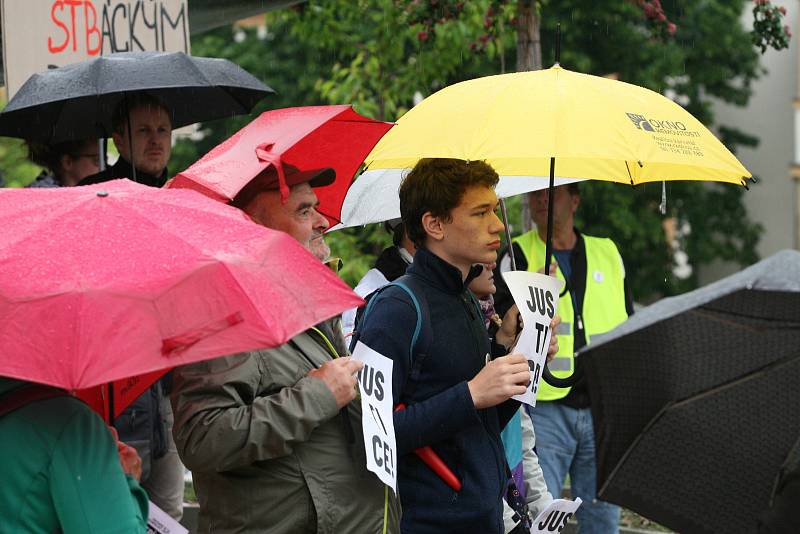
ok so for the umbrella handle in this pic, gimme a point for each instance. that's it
(547, 376)
(565, 382)
(432, 460)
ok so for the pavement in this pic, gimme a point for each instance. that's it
(190, 521)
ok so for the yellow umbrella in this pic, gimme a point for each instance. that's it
(553, 123)
(595, 128)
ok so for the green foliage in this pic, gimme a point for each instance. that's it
(289, 65)
(16, 170)
(385, 56)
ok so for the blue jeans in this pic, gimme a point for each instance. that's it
(565, 444)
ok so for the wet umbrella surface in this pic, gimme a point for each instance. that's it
(695, 400)
(104, 282)
(77, 101)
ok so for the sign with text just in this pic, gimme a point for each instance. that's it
(51, 33)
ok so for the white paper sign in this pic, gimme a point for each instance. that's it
(375, 385)
(42, 34)
(536, 296)
(554, 518)
(159, 522)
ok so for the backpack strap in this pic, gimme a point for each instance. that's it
(27, 394)
(420, 315)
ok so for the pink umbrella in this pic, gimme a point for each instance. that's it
(115, 280)
(308, 137)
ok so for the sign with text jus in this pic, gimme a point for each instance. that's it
(536, 296)
(375, 386)
(554, 518)
(51, 33)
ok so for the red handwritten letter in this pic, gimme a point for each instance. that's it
(91, 30)
(72, 4)
(58, 4)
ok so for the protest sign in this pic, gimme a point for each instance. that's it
(554, 518)
(375, 386)
(51, 33)
(536, 296)
(159, 522)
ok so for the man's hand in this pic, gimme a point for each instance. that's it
(128, 457)
(339, 376)
(500, 380)
(553, 348)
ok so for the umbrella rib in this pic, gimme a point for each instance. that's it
(220, 87)
(736, 381)
(691, 398)
(716, 316)
(628, 167)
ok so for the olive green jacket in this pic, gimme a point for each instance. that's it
(269, 450)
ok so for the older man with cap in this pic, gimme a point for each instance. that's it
(273, 436)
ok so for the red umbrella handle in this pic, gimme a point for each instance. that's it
(432, 460)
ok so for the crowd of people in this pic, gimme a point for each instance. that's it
(273, 437)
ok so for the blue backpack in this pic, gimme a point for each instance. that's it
(421, 338)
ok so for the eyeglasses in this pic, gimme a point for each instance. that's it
(94, 157)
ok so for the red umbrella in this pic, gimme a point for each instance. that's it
(307, 137)
(125, 391)
(116, 280)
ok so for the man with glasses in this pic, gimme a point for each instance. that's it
(66, 163)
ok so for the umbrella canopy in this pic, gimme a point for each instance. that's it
(77, 101)
(104, 282)
(587, 127)
(558, 124)
(308, 137)
(695, 400)
(374, 196)
(596, 128)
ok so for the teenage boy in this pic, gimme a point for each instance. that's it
(456, 384)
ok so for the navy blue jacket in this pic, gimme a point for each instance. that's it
(440, 410)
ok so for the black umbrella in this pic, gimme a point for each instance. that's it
(696, 402)
(77, 101)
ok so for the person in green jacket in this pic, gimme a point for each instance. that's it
(62, 471)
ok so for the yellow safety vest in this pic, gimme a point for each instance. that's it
(603, 302)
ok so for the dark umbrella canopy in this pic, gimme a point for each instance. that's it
(695, 400)
(77, 101)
